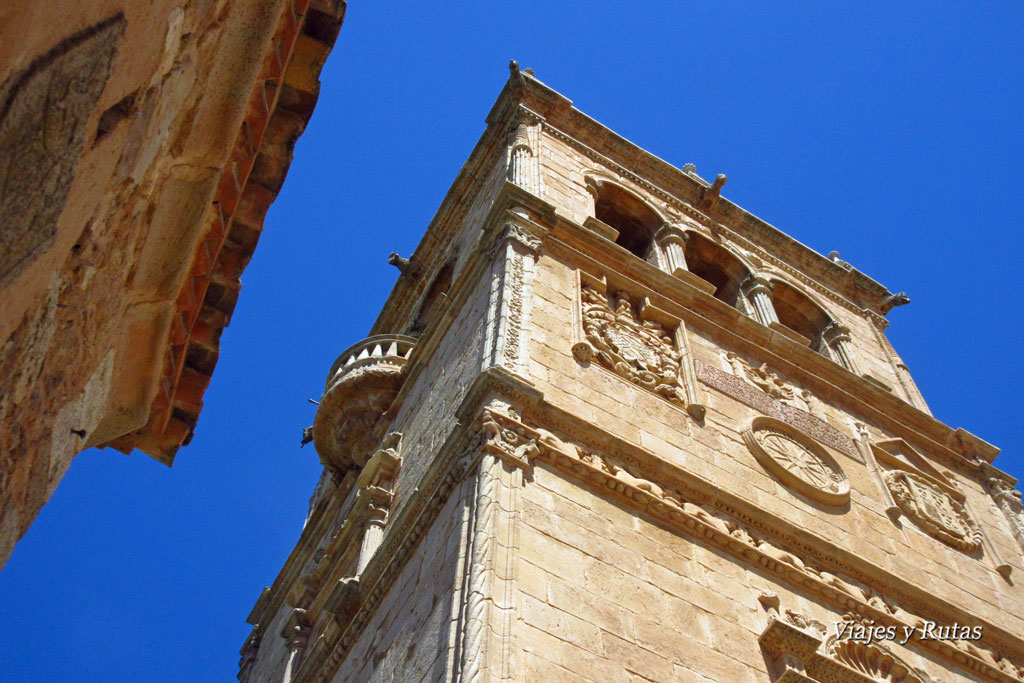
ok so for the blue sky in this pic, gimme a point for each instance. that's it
(890, 132)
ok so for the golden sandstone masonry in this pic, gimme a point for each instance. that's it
(141, 144)
(609, 426)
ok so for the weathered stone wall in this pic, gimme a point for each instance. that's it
(611, 595)
(715, 451)
(116, 123)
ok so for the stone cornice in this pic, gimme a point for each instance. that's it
(579, 247)
(680, 190)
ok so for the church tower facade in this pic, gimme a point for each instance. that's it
(609, 426)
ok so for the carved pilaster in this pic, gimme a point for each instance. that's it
(758, 291)
(863, 443)
(513, 265)
(523, 151)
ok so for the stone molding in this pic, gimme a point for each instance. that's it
(751, 395)
(735, 532)
(702, 219)
(797, 460)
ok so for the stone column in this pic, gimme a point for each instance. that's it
(838, 339)
(672, 243)
(520, 155)
(758, 291)
(296, 634)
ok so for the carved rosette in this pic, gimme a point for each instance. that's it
(933, 510)
(797, 461)
(640, 351)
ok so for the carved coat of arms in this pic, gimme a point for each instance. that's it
(641, 351)
(933, 510)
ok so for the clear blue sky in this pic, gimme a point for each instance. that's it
(888, 131)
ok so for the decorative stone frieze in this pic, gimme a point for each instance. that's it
(934, 510)
(640, 351)
(761, 377)
(508, 440)
(743, 390)
(797, 461)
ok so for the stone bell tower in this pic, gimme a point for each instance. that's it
(609, 426)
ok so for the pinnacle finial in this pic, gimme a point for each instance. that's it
(513, 66)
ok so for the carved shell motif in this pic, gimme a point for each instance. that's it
(797, 461)
(874, 662)
(933, 510)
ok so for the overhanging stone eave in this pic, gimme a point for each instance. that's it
(207, 296)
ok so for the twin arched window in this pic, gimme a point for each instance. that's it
(640, 230)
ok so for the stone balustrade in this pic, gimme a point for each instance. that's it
(361, 386)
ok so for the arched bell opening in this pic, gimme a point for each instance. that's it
(634, 219)
(799, 313)
(715, 264)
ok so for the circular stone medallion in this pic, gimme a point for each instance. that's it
(797, 461)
